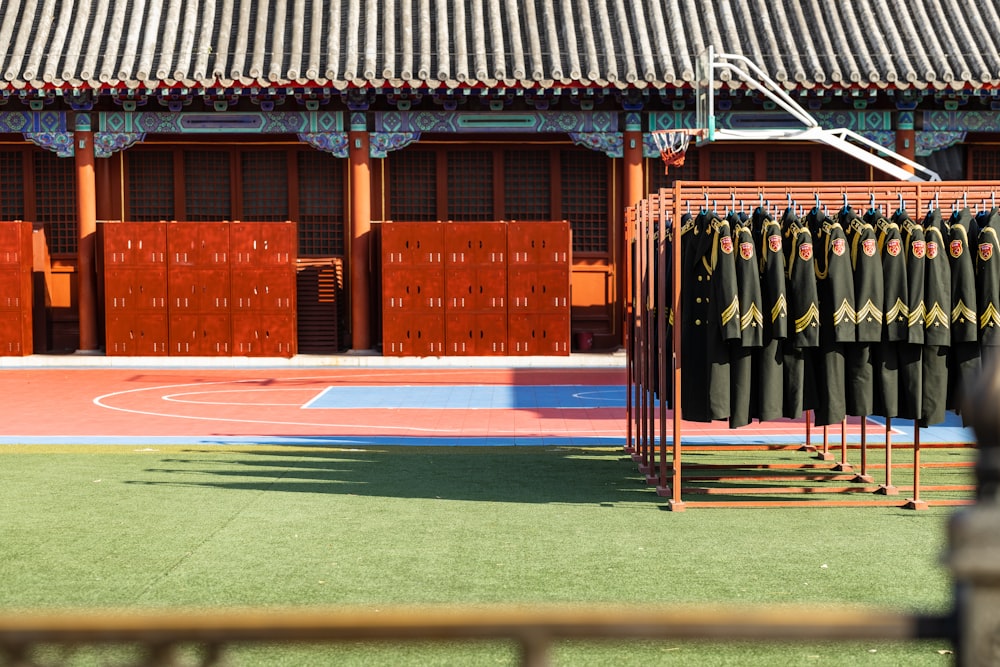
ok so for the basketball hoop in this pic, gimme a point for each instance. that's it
(673, 145)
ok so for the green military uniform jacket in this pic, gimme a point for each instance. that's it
(988, 286)
(937, 320)
(710, 318)
(911, 352)
(803, 309)
(742, 395)
(885, 354)
(768, 366)
(868, 302)
(963, 355)
(835, 285)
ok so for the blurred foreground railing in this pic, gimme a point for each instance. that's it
(535, 629)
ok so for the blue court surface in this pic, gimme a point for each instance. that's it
(470, 397)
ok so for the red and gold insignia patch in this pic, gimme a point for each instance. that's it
(918, 249)
(774, 243)
(931, 249)
(869, 246)
(746, 250)
(985, 251)
(726, 243)
(956, 249)
(893, 246)
(839, 245)
(806, 251)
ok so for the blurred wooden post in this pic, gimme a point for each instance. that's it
(974, 534)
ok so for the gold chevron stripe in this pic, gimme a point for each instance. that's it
(779, 309)
(989, 318)
(731, 311)
(936, 316)
(752, 317)
(868, 310)
(811, 318)
(961, 310)
(845, 312)
(898, 309)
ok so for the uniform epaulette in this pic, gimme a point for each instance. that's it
(688, 226)
(859, 224)
(883, 224)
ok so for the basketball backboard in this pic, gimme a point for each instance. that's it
(704, 91)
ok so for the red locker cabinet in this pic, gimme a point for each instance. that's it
(538, 288)
(200, 335)
(475, 243)
(135, 288)
(199, 289)
(15, 289)
(413, 288)
(259, 244)
(263, 288)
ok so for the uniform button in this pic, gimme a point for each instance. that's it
(698, 300)
(699, 278)
(707, 300)
(697, 322)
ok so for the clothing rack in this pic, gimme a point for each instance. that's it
(653, 370)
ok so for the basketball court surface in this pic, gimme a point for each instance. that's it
(563, 405)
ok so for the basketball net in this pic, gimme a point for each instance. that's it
(673, 145)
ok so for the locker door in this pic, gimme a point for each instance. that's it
(461, 288)
(460, 335)
(149, 247)
(213, 287)
(119, 334)
(11, 340)
(213, 244)
(183, 247)
(149, 287)
(491, 288)
(10, 288)
(491, 334)
(151, 333)
(184, 335)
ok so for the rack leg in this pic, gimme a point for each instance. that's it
(808, 446)
(915, 503)
(888, 489)
(843, 466)
(864, 476)
(824, 454)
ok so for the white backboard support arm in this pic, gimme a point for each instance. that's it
(842, 139)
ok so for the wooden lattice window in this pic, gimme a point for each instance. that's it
(321, 204)
(839, 166)
(470, 185)
(11, 185)
(659, 177)
(584, 181)
(55, 201)
(150, 185)
(732, 166)
(527, 185)
(413, 186)
(788, 165)
(984, 164)
(207, 186)
(265, 185)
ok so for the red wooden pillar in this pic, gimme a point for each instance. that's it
(360, 238)
(86, 211)
(633, 191)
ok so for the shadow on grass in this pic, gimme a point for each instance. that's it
(495, 474)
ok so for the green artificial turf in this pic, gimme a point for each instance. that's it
(219, 526)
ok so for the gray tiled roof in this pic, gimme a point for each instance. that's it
(535, 43)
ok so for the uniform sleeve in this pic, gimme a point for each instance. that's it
(726, 290)
(775, 305)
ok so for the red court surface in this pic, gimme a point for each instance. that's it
(269, 406)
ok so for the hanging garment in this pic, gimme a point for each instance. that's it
(768, 365)
(803, 310)
(885, 354)
(664, 353)
(710, 317)
(835, 286)
(911, 352)
(963, 354)
(869, 294)
(988, 287)
(742, 396)
(937, 320)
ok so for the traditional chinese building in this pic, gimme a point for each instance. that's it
(337, 115)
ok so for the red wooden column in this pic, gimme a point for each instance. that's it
(360, 175)
(632, 189)
(86, 213)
